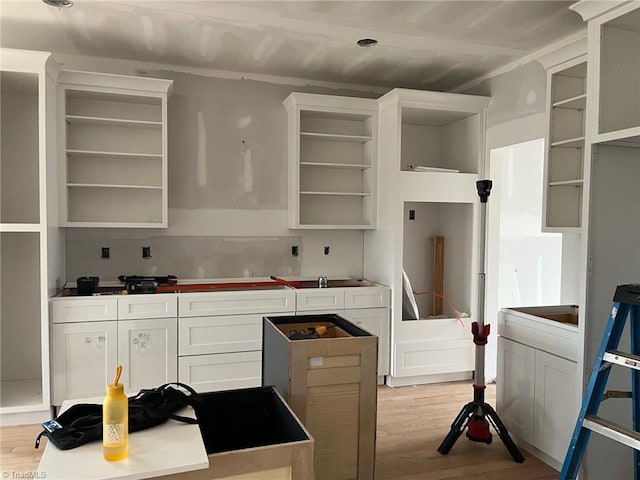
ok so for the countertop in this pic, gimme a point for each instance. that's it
(173, 447)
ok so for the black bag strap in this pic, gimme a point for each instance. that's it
(193, 400)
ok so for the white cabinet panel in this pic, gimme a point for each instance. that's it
(226, 333)
(366, 297)
(514, 389)
(555, 404)
(84, 359)
(89, 309)
(238, 302)
(375, 321)
(147, 306)
(319, 299)
(223, 371)
(147, 350)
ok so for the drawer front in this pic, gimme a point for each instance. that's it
(131, 307)
(91, 309)
(224, 371)
(320, 299)
(221, 334)
(230, 303)
(542, 335)
(366, 297)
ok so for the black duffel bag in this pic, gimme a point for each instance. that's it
(82, 423)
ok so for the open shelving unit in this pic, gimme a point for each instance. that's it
(431, 151)
(332, 162)
(30, 265)
(564, 157)
(115, 150)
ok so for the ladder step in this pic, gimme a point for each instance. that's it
(622, 358)
(613, 431)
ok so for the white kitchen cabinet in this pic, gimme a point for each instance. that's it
(376, 322)
(220, 336)
(84, 359)
(367, 307)
(145, 346)
(431, 149)
(114, 152)
(31, 244)
(332, 161)
(535, 398)
(565, 146)
(224, 371)
(148, 352)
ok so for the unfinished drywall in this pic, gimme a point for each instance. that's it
(227, 193)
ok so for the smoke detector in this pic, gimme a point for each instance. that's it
(58, 3)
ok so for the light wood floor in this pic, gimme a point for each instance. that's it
(412, 421)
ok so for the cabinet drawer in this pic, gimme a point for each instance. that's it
(366, 297)
(223, 303)
(320, 299)
(147, 306)
(90, 309)
(222, 334)
(224, 371)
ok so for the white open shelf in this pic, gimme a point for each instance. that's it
(332, 161)
(21, 393)
(115, 151)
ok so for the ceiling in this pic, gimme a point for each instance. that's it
(431, 45)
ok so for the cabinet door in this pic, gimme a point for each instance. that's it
(555, 410)
(224, 371)
(375, 321)
(515, 388)
(84, 359)
(148, 352)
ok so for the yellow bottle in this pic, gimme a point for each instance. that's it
(115, 421)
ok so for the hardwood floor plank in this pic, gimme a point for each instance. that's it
(412, 422)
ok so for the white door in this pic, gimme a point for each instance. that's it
(148, 352)
(555, 404)
(514, 387)
(376, 322)
(84, 359)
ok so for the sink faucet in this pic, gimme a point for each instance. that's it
(323, 282)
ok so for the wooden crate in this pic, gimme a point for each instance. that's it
(330, 384)
(252, 434)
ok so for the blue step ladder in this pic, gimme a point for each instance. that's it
(626, 303)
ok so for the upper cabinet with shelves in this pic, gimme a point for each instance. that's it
(332, 161)
(114, 150)
(564, 158)
(614, 59)
(438, 132)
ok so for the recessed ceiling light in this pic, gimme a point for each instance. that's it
(58, 3)
(367, 42)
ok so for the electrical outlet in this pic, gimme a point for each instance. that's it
(326, 250)
(105, 252)
(294, 250)
(412, 214)
(146, 252)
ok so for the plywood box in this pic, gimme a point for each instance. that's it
(252, 434)
(330, 384)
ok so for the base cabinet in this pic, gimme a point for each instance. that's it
(91, 335)
(535, 403)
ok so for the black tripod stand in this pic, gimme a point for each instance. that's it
(477, 414)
